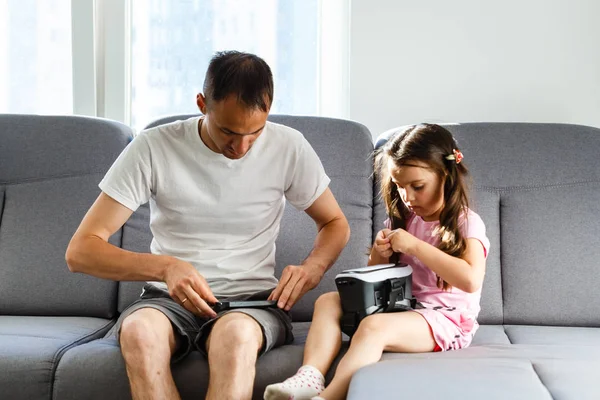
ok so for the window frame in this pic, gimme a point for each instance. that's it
(101, 44)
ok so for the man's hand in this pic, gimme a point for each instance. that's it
(189, 288)
(295, 281)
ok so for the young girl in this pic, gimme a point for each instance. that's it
(431, 228)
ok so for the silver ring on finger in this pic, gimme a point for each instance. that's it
(183, 301)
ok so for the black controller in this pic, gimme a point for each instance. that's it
(229, 305)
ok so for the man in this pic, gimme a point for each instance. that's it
(217, 186)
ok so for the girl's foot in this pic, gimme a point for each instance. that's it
(305, 385)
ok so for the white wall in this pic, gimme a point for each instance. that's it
(460, 61)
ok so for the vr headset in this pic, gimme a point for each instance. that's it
(369, 290)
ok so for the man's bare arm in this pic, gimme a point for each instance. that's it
(89, 252)
(333, 231)
(333, 234)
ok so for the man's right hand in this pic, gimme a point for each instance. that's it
(189, 288)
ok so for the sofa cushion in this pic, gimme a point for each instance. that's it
(576, 380)
(75, 379)
(510, 155)
(534, 343)
(136, 237)
(565, 359)
(38, 221)
(544, 185)
(554, 335)
(50, 169)
(96, 370)
(484, 201)
(490, 335)
(31, 347)
(487, 205)
(345, 149)
(547, 177)
(551, 254)
(448, 379)
(36, 147)
(1, 201)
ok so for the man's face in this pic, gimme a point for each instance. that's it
(232, 127)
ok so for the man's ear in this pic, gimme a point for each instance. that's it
(201, 102)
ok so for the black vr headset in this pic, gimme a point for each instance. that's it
(369, 290)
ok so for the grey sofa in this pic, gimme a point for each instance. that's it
(52, 321)
(537, 189)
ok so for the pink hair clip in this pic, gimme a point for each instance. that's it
(457, 156)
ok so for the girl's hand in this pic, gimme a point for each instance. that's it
(402, 241)
(382, 243)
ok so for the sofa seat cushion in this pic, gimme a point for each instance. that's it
(96, 370)
(490, 379)
(553, 335)
(530, 362)
(30, 348)
(570, 379)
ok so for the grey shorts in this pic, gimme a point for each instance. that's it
(192, 331)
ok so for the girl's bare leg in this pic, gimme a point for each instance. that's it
(322, 345)
(405, 332)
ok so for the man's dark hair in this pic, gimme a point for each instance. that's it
(246, 76)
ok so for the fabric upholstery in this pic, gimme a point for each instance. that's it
(345, 149)
(536, 186)
(136, 237)
(564, 359)
(31, 347)
(529, 168)
(102, 360)
(49, 170)
(451, 379)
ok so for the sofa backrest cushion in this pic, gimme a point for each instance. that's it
(49, 170)
(345, 149)
(537, 187)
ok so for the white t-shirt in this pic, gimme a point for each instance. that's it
(220, 215)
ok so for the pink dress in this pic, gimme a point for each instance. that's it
(451, 314)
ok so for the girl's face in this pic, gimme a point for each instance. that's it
(420, 188)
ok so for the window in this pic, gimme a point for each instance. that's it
(35, 57)
(172, 43)
(134, 61)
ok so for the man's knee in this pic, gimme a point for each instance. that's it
(147, 330)
(236, 331)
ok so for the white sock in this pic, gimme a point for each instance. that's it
(306, 384)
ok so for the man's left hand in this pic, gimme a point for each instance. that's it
(295, 281)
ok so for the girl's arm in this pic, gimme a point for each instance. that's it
(382, 248)
(465, 273)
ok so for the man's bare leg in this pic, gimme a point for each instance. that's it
(147, 344)
(233, 347)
